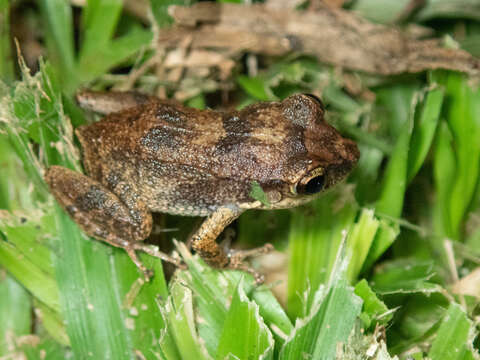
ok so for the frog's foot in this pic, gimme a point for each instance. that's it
(153, 251)
(147, 273)
(237, 260)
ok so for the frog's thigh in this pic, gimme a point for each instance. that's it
(203, 241)
(98, 211)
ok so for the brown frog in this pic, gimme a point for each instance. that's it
(155, 155)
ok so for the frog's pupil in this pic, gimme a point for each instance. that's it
(315, 185)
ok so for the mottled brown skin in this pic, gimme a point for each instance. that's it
(149, 155)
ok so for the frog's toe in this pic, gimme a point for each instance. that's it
(237, 260)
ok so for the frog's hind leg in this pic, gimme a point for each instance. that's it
(203, 242)
(102, 214)
(110, 102)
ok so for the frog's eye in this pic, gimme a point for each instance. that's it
(312, 184)
(316, 99)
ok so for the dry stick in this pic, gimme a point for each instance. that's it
(334, 36)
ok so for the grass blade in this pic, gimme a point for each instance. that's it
(57, 16)
(6, 60)
(244, 335)
(314, 239)
(15, 312)
(100, 19)
(453, 338)
(330, 320)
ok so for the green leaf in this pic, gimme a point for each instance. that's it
(316, 233)
(359, 241)
(330, 320)
(29, 275)
(395, 177)
(244, 335)
(181, 325)
(469, 9)
(100, 19)
(403, 276)
(257, 193)
(255, 87)
(6, 60)
(424, 130)
(453, 339)
(463, 121)
(57, 15)
(15, 312)
(381, 11)
(95, 63)
(160, 10)
(374, 311)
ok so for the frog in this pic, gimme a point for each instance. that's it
(152, 155)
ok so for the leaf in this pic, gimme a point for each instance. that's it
(314, 239)
(374, 311)
(181, 325)
(424, 130)
(330, 320)
(453, 338)
(244, 335)
(255, 87)
(57, 15)
(15, 312)
(327, 325)
(100, 19)
(403, 276)
(359, 241)
(257, 193)
(6, 63)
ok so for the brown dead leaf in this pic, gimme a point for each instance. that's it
(334, 36)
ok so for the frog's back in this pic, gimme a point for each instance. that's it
(185, 160)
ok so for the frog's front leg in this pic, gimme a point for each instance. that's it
(102, 214)
(203, 242)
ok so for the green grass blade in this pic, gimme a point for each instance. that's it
(314, 238)
(181, 324)
(359, 242)
(57, 16)
(52, 322)
(273, 314)
(395, 177)
(91, 306)
(100, 19)
(424, 130)
(330, 321)
(374, 311)
(255, 87)
(453, 338)
(41, 285)
(444, 172)
(244, 335)
(464, 122)
(384, 238)
(160, 10)
(6, 60)
(15, 312)
(403, 276)
(95, 63)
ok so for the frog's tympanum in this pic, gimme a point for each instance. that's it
(154, 155)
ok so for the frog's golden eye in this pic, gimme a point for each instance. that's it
(313, 183)
(316, 99)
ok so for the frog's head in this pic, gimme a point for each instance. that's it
(325, 157)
